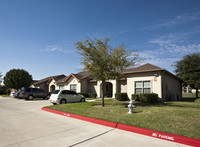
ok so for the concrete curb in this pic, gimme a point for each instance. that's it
(147, 132)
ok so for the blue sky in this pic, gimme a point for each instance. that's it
(38, 35)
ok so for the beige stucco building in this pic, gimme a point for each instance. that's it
(143, 79)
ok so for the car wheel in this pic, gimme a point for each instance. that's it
(30, 97)
(82, 99)
(63, 101)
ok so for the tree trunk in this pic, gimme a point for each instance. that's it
(197, 92)
(102, 93)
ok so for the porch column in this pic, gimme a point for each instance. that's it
(99, 89)
(114, 85)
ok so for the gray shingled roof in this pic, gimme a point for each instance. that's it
(46, 80)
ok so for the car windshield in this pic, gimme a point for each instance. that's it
(56, 92)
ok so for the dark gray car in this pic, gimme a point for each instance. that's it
(31, 93)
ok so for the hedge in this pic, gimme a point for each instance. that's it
(145, 97)
(88, 95)
(85, 94)
(135, 97)
(92, 95)
(148, 97)
(121, 96)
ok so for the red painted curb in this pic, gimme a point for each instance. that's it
(85, 118)
(161, 135)
(147, 132)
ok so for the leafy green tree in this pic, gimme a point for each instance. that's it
(188, 69)
(17, 78)
(103, 61)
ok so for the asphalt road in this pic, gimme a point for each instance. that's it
(24, 124)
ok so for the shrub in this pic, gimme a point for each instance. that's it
(92, 95)
(1, 91)
(135, 97)
(148, 97)
(8, 92)
(85, 94)
(121, 96)
(197, 100)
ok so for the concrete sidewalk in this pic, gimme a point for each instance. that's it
(23, 123)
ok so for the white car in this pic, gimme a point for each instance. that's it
(12, 94)
(65, 96)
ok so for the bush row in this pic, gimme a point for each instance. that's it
(88, 95)
(2, 91)
(145, 97)
(121, 96)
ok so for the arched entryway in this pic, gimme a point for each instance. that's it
(108, 89)
(52, 88)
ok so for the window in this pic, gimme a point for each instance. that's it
(65, 92)
(61, 86)
(73, 87)
(40, 90)
(142, 87)
(69, 92)
(56, 92)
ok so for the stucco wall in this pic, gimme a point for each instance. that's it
(172, 89)
(43, 86)
(122, 86)
(153, 77)
(92, 87)
(84, 85)
(70, 81)
(53, 83)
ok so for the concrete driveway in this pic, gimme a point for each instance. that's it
(24, 124)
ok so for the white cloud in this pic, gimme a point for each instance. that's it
(172, 47)
(58, 49)
(182, 18)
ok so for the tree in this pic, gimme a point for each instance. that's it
(0, 78)
(17, 78)
(103, 61)
(188, 69)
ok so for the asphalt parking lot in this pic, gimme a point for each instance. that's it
(24, 124)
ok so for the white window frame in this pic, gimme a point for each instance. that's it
(142, 86)
(61, 86)
(73, 87)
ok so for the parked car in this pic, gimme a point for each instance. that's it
(31, 93)
(65, 96)
(12, 94)
(16, 95)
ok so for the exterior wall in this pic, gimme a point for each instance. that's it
(84, 85)
(92, 87)
(99, 87)
(153, 77)
(42, 86)
(70, 81)
(172, 88)
(122, 86)
(53, 83)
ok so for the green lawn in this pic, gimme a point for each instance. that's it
(5, 95)
(181, 118)
(189, 97)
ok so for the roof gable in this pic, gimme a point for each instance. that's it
(144, 68)
(48, 79)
